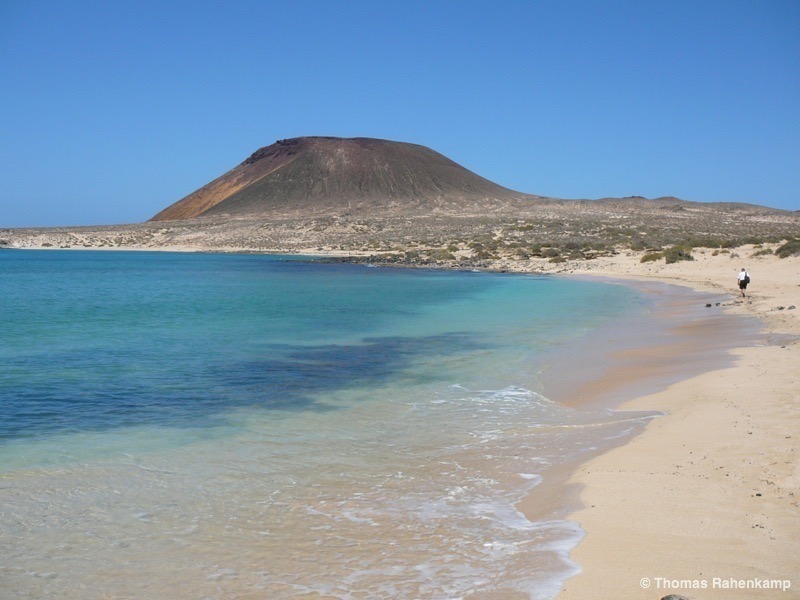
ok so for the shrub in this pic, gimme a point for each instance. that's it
(482, 253)
(790, 248)
(763, 252)
(705, 242)
(651, 257)
(441, 254)
(678, 253)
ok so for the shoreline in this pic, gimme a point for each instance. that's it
(685, 333)
(675, 339)
(705, 498)
(711, 489)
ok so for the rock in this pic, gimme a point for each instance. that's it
(792, 307)
(674, 597)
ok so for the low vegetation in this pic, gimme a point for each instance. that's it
(790, 248)
(677, 254)
(557, 231)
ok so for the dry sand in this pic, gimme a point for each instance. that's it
(707, 499)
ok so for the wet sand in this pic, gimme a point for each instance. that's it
(677, 338)
(704, 502)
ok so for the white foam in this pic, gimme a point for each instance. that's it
(373, 489)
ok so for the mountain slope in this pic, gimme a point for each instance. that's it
(320, 175)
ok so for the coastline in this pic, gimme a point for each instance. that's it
(711, 489)
(704, 500)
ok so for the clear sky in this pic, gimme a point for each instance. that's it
(111, 110)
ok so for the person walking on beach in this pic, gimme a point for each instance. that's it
(744, 279)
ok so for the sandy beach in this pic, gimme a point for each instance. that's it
(704, 503)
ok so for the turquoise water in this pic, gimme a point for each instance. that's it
(263, 426)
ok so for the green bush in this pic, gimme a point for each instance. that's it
(790, 248)
(651, 257)
(678, 253)
(441, 254)
(480, 252)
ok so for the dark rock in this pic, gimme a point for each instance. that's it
(674, 597)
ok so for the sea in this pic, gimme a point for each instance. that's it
(185, 425)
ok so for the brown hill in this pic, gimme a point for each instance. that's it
(324, 175)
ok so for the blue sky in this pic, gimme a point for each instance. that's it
(110, 111)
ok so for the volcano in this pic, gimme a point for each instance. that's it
(325, 175)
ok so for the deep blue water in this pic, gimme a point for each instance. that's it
(103, 340)
(260, 426)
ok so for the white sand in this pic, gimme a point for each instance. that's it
(707, 497)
